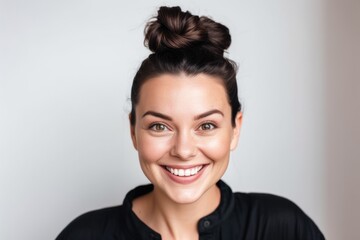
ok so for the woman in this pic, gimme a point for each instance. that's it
(185, 120)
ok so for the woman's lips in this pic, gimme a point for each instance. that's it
(181, 172)
(185, 175)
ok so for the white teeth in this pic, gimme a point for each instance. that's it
(184, 172)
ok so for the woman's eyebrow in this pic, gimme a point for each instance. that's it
(202, 115)
(208, 113)
(157, 114)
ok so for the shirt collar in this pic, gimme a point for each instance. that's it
(206, 225)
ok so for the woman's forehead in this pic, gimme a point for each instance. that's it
(182, 95)
(200, 84)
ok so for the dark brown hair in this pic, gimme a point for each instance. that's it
(185, 43)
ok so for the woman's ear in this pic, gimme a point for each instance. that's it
(132, 132)
(236, 131)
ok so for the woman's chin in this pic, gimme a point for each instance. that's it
(189, 194)
(185, 196)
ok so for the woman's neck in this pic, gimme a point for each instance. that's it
(173, 220)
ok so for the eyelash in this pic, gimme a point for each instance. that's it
(212, 126)
(154, 127)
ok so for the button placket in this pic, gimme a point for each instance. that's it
(206, 224)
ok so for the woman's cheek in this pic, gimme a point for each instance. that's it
(152, 149)
(216, 147)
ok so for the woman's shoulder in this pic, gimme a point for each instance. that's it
(268, 203)
(108, 222)
(276, 215)
(94, 224)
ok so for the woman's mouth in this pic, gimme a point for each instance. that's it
(184, 172)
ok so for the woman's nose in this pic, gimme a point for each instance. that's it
(184, 146)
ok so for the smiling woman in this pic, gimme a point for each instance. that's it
(185, 121)
(177, 136)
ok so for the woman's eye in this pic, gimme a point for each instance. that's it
(158, 127)
(207, 126)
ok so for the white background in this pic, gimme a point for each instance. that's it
(65, 74)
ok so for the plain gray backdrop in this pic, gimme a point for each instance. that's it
(65, 75)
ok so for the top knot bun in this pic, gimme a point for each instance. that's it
(175, 29)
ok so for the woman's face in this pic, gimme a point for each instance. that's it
(183, 134)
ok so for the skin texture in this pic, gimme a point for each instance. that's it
(183, 122)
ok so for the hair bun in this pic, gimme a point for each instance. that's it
(175, 29)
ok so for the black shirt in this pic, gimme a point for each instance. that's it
(240, 216)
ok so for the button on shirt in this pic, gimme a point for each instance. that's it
(239, 216)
